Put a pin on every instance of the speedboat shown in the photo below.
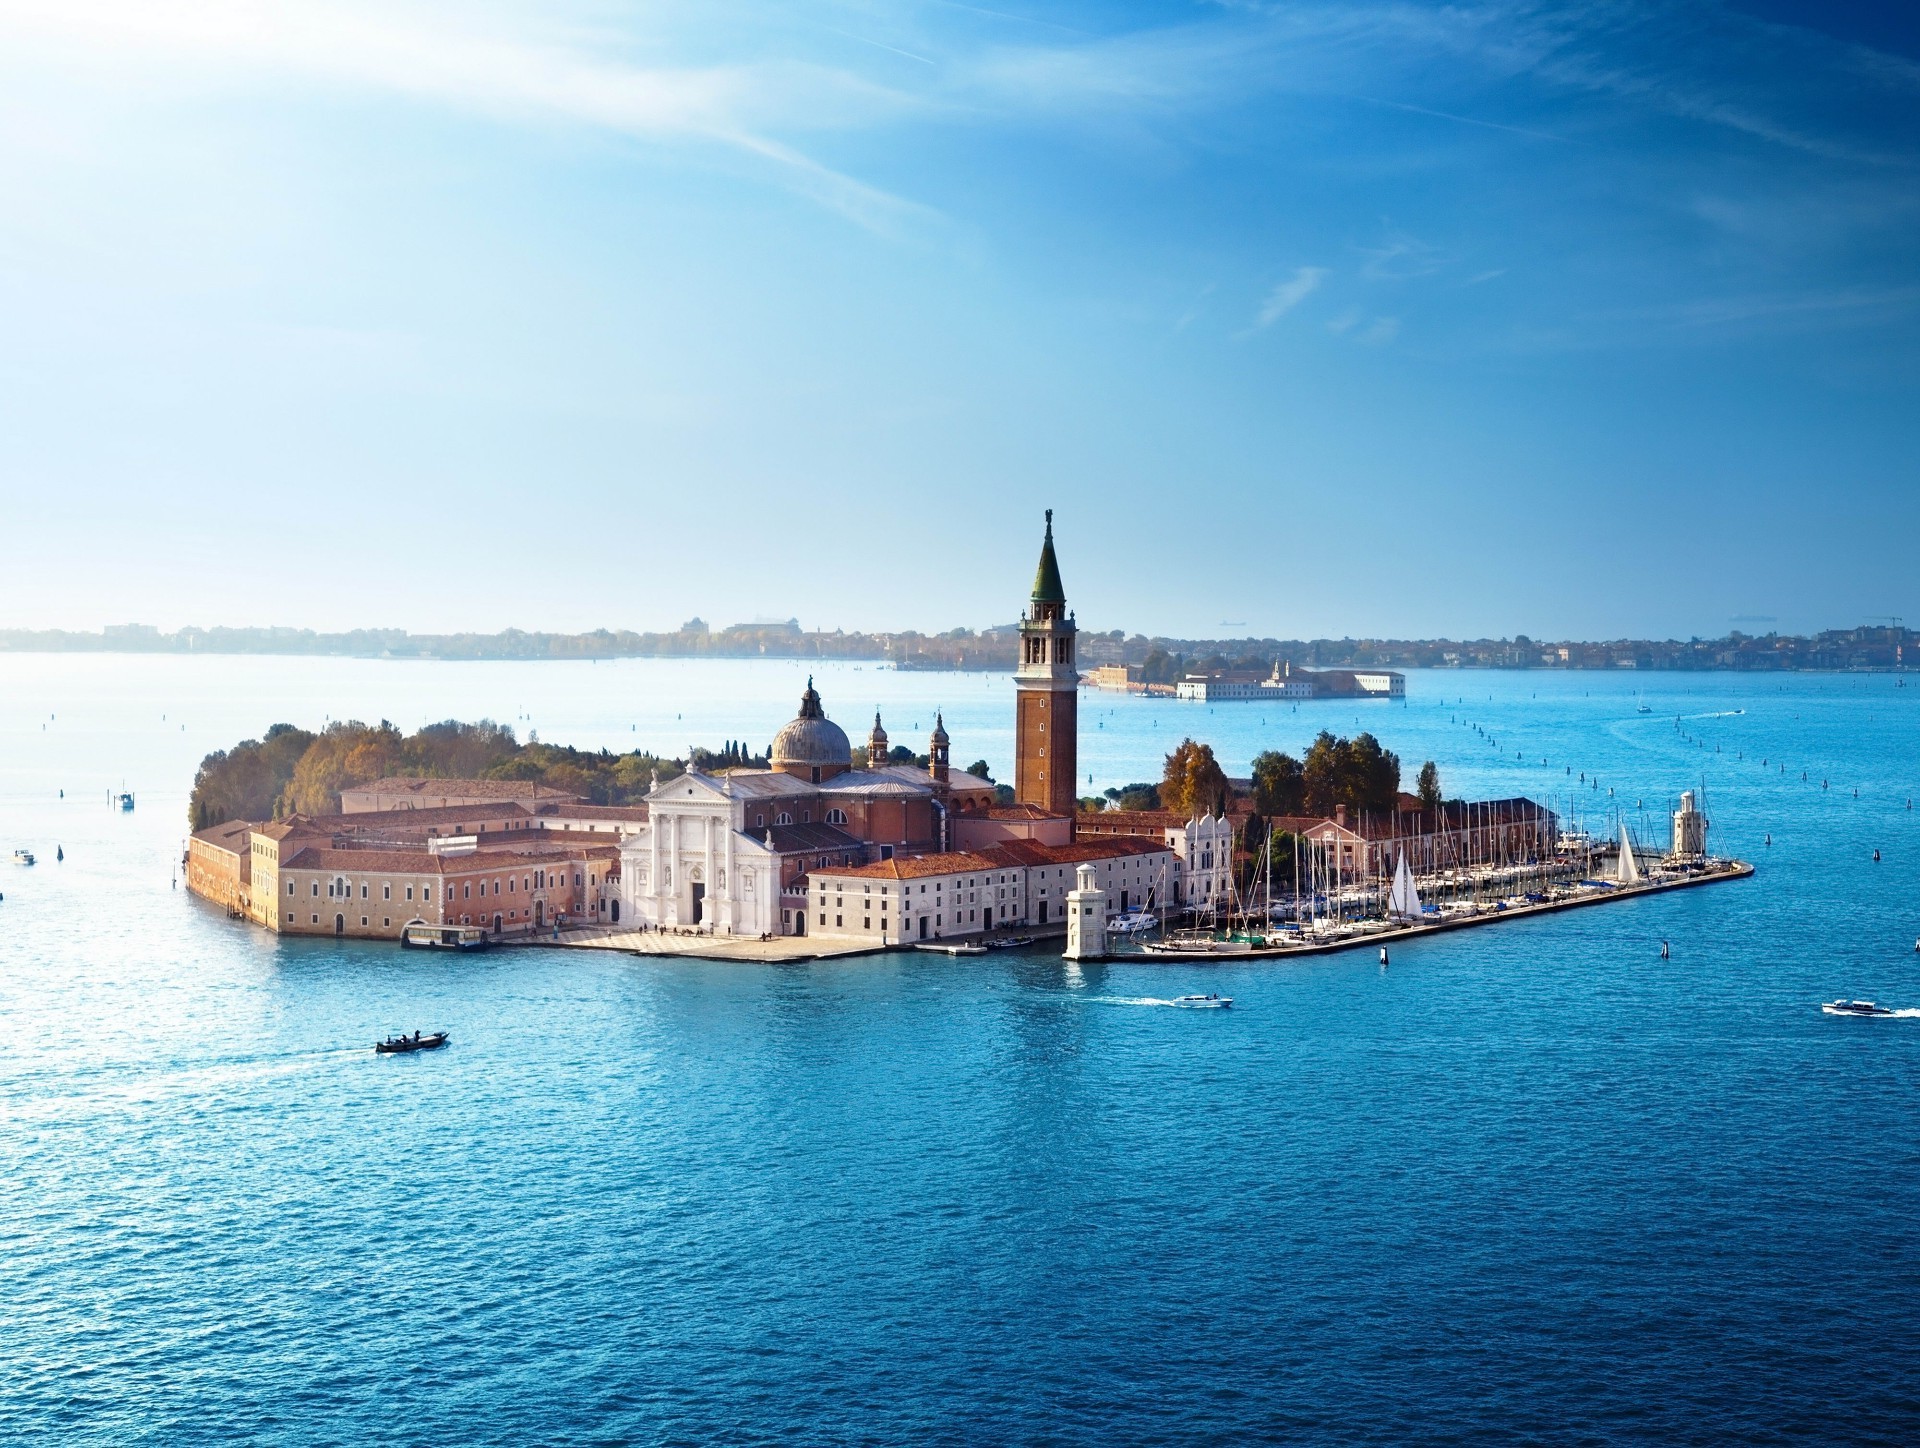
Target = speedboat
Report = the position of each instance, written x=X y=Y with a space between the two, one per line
x=1010 y=942
x=399 y=1045
x=1132 y=923
x=1855 y=1008
x=953 y=949
x=1204 y=1002
x=23 y=857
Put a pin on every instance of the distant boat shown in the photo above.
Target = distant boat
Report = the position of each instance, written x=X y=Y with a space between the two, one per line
x=1204 y=1002
x=1010 y=942
x=934 y=949
x=1855 y=1008
x=400 y=1045
x=126 y=801
x=23 y=857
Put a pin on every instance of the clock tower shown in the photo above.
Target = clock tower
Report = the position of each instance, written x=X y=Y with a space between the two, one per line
x=1046 y=718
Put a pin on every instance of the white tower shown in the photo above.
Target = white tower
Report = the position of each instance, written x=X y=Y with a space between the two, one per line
x=1086 y=917
x=1689 y=829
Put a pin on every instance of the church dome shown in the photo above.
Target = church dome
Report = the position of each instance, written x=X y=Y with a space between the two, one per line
x=812 y=740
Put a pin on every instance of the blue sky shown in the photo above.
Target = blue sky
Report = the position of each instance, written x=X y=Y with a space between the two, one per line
x=1584 y=320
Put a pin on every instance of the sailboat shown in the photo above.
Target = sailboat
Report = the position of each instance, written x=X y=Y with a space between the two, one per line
x=1403 y=901
x=1629 y=871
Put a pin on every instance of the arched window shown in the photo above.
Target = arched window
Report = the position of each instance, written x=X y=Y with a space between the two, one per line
x=836 y=816
x=783 y=818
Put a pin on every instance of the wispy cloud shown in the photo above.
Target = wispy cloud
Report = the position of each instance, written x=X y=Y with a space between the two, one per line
x=1289 y=294
x=482 y=63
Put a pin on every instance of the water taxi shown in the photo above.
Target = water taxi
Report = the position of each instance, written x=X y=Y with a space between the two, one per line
x=1204 y=1002
x=1855 y=1008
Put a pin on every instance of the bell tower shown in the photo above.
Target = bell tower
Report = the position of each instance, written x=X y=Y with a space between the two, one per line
x=1047 y=698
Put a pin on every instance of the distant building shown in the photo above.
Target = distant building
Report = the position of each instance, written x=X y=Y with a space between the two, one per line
x=1285 y=682
x=1121 y=678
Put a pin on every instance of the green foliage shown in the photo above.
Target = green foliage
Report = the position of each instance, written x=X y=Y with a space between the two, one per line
x=1162 y=667
x=247 y=781
x=294 y=772
x=1003 y=795
x=980 y=769
x=1429 y=786
x=1194 y=783
x=1355 y=772
x=1279 y=784
x=1135 y=796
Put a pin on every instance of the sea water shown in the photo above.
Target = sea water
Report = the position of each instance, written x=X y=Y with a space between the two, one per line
x=1530 y=1183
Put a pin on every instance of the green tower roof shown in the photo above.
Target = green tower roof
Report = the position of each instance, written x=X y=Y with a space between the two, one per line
x=1047 y=587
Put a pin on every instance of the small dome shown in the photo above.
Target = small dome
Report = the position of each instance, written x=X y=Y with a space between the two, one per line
x=811 y=740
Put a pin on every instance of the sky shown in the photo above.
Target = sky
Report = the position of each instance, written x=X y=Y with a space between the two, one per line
x=1351 y=319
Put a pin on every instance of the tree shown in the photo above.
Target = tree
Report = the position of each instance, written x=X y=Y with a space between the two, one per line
x=1135 y=796
x=1279 y=785
x=1194 y=783
x=1429 y=787
x=980 y=769
x=1356 y=773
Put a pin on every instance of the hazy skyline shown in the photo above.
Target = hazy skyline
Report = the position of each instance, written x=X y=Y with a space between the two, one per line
x=1588 y=321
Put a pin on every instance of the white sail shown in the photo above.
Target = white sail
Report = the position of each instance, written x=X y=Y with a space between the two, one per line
x=1403 y=901
x=1629 y=872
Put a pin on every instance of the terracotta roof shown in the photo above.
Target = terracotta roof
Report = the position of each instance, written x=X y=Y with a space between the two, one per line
x=478 y=790
x=1020 y=812
x=231 y=836
x=918 y=867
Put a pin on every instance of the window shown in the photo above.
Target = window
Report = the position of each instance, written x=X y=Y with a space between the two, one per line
x=836 y=816
x=759 y=821
x=786 y=819
x=466 y=891
x=449 y=891
x=289 y=887
x=316 y=920
x=289 y=917
x=409 y=892
x=386 y=892
x=806 y=816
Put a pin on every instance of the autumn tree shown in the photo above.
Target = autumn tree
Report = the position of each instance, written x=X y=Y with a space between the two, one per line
x=1194 y=783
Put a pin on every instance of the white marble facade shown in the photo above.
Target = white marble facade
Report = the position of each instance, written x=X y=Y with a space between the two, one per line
x=692 y=864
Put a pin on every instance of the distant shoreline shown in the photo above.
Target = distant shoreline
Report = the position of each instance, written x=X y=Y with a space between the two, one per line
x=1868 y=649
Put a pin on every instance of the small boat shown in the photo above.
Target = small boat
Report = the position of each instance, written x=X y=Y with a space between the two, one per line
x=401 y=1045
x=23 y=857
x=936 y=949
x=1855 y=1008
x=1133 y=923
x=1204 y=1002
x=1011 y=942
x=126 y=801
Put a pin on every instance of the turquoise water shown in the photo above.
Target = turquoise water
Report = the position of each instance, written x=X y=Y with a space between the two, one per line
x=1532 y=1183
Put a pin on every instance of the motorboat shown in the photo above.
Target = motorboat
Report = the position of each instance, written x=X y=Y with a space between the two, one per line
x=1011 y=942
x=941 y=949
x=23 y=857
x=1855 y=1008
x=126 y=801
x=1133 y=923
x=1204 y=1002
x=401 y=1045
